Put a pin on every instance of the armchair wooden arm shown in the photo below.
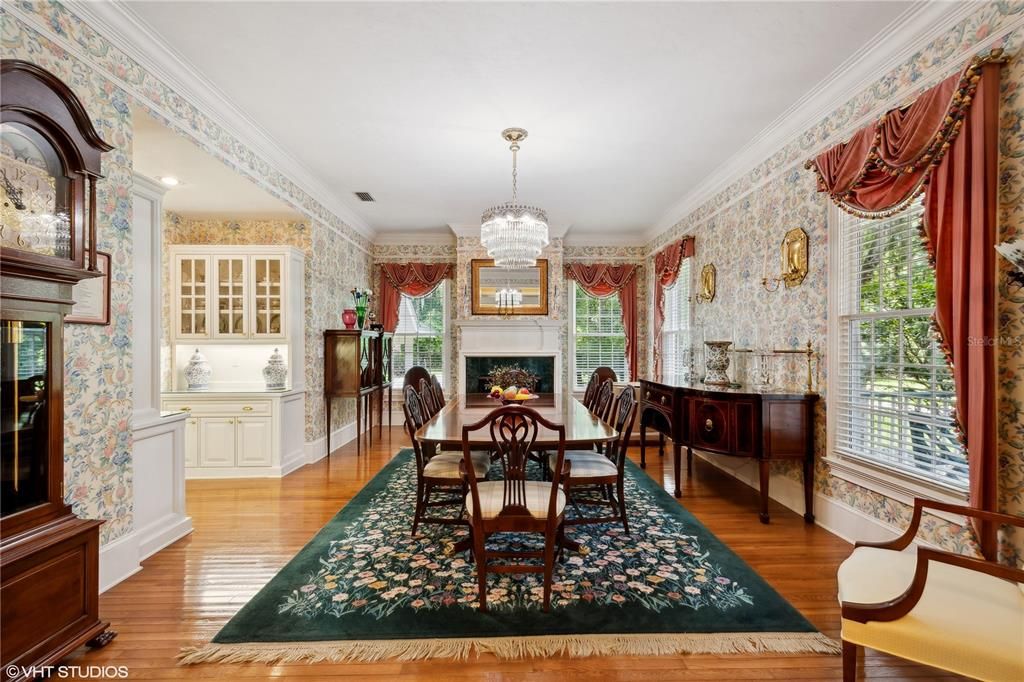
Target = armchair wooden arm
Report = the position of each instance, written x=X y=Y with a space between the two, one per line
x=920 y=504
x=900 y=606
x=896 y=608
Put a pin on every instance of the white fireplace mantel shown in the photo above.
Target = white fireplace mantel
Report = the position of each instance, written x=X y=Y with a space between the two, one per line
x=521 y=336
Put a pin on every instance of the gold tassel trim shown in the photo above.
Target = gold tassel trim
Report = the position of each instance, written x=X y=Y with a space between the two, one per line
x=513 y=648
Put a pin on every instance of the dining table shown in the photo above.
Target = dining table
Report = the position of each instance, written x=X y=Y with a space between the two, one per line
x=583 y=430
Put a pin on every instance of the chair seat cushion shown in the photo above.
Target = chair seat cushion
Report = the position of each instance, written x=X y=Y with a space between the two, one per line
x=446 y=465
x=965 y=622
x=538 y=496
x=587 y=464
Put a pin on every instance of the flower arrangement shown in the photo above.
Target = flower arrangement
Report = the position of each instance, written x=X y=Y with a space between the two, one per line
x=513 y=375
x=361 y=298
x=1014 y=252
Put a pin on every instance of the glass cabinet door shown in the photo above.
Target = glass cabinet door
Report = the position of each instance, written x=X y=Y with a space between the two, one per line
x=267 y=284
x=192 y=296
x=231 y=289
x=24 y=415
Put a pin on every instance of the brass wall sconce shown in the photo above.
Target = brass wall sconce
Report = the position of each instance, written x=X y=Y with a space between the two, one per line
x=794 y=255
x=708 y=277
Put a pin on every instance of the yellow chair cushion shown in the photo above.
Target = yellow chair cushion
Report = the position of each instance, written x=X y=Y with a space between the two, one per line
x=538 y=497
x=965 y=622
x=446 y=465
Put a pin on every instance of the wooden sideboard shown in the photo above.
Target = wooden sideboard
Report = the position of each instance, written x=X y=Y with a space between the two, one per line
x=357 y=364
x=739 y=422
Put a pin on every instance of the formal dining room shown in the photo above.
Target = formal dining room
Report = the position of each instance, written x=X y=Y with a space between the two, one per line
x=512 y=340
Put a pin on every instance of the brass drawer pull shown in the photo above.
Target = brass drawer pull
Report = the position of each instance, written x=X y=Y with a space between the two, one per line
x=246 y=409
x=664 y=399
x=186 y=409
x=709 y=425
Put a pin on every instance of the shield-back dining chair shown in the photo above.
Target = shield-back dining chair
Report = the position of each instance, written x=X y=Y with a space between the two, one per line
x=515 y=504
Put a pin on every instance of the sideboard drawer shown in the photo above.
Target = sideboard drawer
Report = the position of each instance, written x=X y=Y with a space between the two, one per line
x=712 y=425
x=225 y=408
x=658 y=397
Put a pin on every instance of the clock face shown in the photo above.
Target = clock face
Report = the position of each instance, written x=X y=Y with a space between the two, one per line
x=34 y=194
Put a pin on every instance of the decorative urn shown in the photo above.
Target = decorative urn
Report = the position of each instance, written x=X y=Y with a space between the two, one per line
x=276 y=372
x=716 y=363
x=198 y=372
x=348 y=316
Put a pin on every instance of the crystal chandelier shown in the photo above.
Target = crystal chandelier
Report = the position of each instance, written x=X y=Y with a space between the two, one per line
x=512 y=233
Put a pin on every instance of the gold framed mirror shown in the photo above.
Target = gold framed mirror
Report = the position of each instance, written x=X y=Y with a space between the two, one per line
x=508 y=291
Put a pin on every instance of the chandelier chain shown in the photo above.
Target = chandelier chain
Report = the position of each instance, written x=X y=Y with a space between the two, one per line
x=515 y=172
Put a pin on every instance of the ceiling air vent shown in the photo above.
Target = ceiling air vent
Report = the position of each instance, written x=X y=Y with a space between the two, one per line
x=365 y=196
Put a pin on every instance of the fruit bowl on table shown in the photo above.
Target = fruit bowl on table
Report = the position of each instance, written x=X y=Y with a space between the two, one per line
x=519 y=399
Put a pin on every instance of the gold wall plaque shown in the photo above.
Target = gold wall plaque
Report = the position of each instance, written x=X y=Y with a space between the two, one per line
x=708 y=278
x=794 y=257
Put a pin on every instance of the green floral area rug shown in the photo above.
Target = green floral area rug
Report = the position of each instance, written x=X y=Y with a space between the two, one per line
x=365 y=589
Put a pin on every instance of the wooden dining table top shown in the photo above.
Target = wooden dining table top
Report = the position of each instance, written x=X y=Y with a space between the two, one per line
x=581 y=427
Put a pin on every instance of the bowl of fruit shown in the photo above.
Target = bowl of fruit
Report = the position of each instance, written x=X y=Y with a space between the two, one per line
x=512 y=395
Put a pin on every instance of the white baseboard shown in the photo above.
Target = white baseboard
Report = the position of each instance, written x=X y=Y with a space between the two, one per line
x=158 y=535
x=834 y=516
x=119 y=560
x=293 y=461
x=316 y=450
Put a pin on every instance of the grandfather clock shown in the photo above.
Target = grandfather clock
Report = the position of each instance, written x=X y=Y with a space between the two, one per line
x=49 y=558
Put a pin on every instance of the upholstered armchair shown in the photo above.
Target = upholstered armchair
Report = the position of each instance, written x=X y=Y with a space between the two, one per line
x=945 y=610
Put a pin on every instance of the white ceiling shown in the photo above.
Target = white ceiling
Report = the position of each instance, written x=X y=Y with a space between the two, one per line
x=629 y=105
x=207 y=188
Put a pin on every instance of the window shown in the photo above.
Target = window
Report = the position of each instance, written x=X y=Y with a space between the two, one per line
x=600 y=340
x=420 y=335
x=893 y=391
x=675 y=334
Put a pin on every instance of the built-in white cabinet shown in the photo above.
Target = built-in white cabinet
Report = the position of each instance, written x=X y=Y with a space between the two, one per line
x=234 y=293
x=240 y=434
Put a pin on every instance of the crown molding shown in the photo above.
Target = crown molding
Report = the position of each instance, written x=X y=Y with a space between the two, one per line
x=907 y=34
x=415 y=238
x=148 y=185
x=120 y=25
x=601 y=239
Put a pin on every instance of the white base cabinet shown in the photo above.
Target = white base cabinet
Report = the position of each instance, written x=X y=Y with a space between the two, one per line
x=241 y=435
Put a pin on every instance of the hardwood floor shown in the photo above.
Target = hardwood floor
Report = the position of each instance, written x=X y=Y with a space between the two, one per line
x=246 y=530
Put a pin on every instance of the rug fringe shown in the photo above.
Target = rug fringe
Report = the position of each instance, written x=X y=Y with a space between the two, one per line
x=511 y=648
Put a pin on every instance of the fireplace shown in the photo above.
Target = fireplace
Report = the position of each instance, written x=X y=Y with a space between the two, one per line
x=479 y=368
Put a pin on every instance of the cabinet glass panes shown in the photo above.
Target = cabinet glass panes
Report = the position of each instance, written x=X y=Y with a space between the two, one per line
x=267 y=274
x=192 y=278
x=24 y=395
x=230 y=296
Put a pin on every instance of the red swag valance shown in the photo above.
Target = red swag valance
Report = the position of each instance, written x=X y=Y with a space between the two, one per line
x=602 y=280
x=666 y=269
x=945 y=144
x=411 y=279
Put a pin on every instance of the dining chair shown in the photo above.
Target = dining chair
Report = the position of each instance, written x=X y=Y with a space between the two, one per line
x=435 y=385
x=514 y=504
x=413 y=375
x=590 y=392
x=437 y=472
x=603 y=401
x=426 y=393
x=606 y=471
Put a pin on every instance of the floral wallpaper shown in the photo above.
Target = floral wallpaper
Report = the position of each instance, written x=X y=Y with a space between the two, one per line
x=737 y=226
x=98 y=360
x=98 y=400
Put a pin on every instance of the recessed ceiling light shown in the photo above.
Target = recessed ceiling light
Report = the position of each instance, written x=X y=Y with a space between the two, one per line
x=169 y=180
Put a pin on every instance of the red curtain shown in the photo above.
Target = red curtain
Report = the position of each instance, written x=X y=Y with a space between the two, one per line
x=666 y=270
x=946 y=145
x=411 y=279
x=603 y=280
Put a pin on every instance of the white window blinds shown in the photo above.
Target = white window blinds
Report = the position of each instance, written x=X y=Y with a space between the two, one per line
x=675 y=334
x=600 y=339
x=419 y=337
x=895 y=392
